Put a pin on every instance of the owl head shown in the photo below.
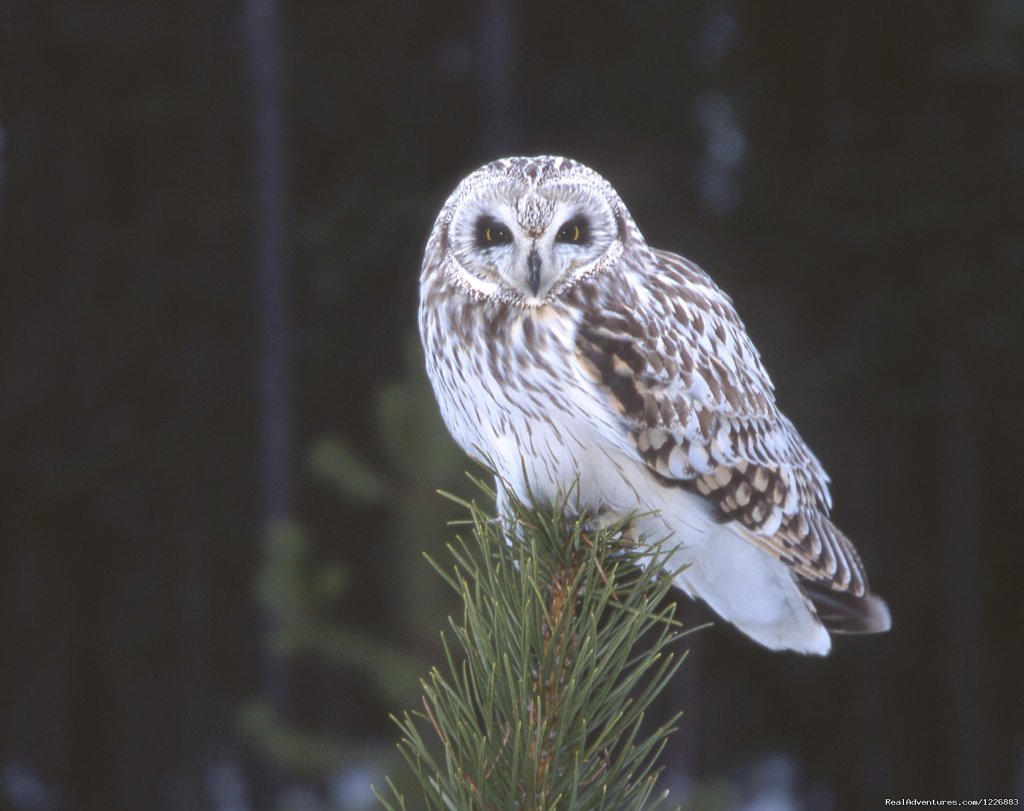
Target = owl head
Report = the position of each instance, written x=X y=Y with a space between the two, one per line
x=523 y=230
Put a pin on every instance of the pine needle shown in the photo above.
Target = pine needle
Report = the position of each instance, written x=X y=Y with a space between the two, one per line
x=563 y=643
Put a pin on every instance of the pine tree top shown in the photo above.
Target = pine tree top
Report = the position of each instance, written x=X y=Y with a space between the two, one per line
x=562 y=645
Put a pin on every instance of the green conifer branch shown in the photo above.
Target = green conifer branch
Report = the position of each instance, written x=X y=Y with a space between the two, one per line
x=563 y=643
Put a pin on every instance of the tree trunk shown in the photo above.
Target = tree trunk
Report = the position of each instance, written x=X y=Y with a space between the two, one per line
x=269 y=167
x=499 y=97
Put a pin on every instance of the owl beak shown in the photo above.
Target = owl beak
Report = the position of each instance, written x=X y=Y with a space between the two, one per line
x=533 y=265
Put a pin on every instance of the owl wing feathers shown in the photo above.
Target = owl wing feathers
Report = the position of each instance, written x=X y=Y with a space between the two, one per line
x=701 y=413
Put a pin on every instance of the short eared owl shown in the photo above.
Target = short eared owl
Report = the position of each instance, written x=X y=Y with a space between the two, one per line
x=562 y=347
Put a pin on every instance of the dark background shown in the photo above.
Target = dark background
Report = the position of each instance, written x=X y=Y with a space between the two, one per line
x=219 y=452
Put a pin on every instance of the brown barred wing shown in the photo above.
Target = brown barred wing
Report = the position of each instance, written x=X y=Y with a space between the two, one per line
x=678 y=367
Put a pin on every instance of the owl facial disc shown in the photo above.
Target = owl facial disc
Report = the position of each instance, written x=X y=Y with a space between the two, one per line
x=524 y=233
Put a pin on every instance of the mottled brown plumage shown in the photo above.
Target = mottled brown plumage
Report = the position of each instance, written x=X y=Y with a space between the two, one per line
x=730 y=444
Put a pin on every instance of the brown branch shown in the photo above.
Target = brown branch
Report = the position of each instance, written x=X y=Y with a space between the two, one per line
x=559 y=642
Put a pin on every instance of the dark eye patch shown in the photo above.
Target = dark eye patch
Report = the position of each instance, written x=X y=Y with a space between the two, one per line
x=574 y=231
x=490 y=232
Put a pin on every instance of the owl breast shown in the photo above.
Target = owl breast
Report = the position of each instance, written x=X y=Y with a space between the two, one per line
x=511 y=397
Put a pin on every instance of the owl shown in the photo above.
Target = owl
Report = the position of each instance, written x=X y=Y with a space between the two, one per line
x=565 y=352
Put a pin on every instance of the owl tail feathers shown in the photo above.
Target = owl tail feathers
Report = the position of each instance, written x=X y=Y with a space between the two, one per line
x=845 y=613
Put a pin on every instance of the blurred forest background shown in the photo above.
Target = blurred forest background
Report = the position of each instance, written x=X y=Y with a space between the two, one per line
x=220 y=453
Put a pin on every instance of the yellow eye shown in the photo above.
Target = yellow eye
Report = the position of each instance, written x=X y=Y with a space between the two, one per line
x=575 y=232
x=490 y=232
